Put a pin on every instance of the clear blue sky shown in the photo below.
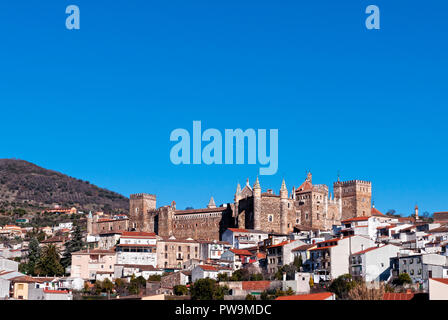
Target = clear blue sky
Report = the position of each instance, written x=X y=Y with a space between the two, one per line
x=99 y=103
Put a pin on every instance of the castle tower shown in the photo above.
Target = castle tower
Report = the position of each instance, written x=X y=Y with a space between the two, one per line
x=416 y=212
x=283 y=208
x=355 y=197
x=165 y=221
x=141 y=208
x=257 y=205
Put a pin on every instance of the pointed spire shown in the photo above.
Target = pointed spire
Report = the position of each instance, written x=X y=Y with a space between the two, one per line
x=257 y=184
x=283 y=188
x=211 y=203
x=238 y=189
x=247 y=182
x=90 y=214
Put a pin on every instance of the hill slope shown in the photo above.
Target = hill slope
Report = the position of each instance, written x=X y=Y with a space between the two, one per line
x=25 y=185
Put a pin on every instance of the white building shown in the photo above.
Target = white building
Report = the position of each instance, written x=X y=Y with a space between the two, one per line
x=330 y=258
x=204 y=271
x=438 y=289
x=137 y=248
x=373 y=264
x=243 y=238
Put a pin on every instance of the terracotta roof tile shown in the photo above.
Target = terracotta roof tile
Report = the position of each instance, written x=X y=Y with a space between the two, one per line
x=312 y=296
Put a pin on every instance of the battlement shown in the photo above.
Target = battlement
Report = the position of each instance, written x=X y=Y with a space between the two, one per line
x=143 y=196
x=352 y=183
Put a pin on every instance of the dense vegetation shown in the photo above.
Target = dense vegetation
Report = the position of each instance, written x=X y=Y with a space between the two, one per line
x=25 y=186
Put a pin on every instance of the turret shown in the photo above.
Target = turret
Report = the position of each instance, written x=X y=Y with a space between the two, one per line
x=211 y=203
x=283 y=208
x=257 y=205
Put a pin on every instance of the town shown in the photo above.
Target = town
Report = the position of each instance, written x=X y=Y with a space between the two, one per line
x=303 y=244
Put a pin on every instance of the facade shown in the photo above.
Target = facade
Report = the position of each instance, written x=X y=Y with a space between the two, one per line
x=281 y=254
x=137 y=248
x=244 y=238
x=330 y=258
x=373 y=264
x=93 y=264
x=438 y=289
x=421 y=267
x=206 y=224
x=205 y=271
x=172 y=253
x=97 y=225
x=237 y=257
x=308 y=206
x=304 y=253
x=213 y=250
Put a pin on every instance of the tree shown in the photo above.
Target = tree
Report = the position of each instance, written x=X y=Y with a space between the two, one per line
x=136 y=284
x=155 y=277
x=75 y=244
x=342 y=285
x=240 y=275
x=250 y=297
x=107 y=286
x=207 y=289
x=256 y=277
x=120 y=286
x=33 y=256
x=402 y=279
x=298 y=262
x=361 y=292
x=390 y=212
x=180 y=290
x=223 y=277
x=49 y=262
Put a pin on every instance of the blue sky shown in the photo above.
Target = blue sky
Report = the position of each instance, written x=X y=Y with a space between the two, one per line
x=99 y=103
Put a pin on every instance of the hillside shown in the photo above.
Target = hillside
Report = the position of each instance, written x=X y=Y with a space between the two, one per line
x=25 y=185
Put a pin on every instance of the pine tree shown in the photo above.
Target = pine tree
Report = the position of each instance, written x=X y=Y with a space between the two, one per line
x=75 y=244
x=33 y=256
x=49 y=262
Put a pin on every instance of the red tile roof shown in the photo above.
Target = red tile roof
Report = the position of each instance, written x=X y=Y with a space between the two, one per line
x=238 y=230
x=306 y=186
x=312 y=296
x=356 y=219
x=398 y=296
x=304 y=247
x=366 y=250
x=322 y=248
x=135 y=234
x=256 y=285
x=281 y=244
x=135 y=245
x=444 y=281
x=241 y=252
x=25 y=279
x=55 y=291
x=377 y=213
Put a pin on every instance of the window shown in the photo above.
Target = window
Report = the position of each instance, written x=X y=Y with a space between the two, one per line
x=412 y=272
x=411 y=261
x=270 y=218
